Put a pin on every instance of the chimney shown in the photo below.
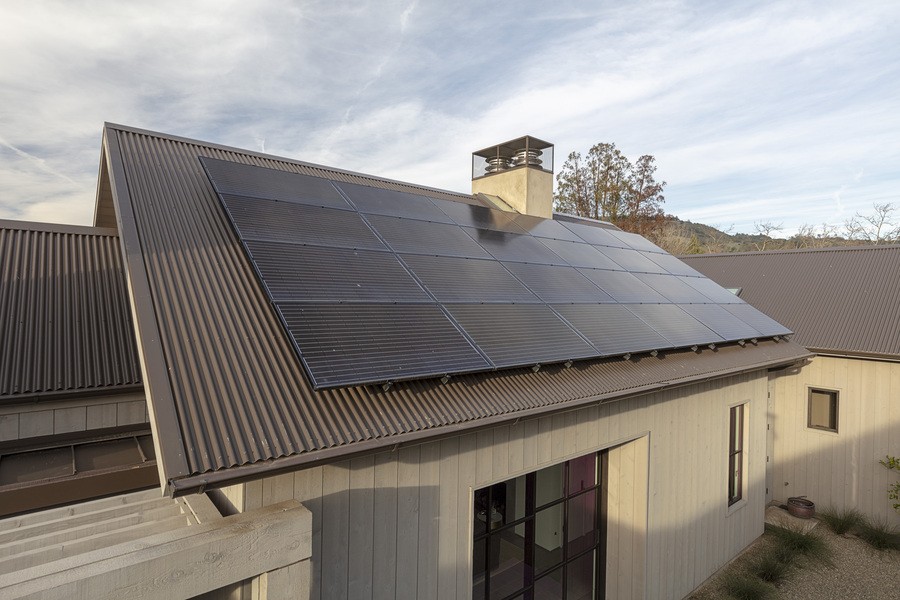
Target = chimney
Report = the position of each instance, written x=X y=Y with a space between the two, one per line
x=518 y=172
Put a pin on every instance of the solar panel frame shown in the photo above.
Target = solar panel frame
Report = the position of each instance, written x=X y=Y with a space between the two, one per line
x=672 y=288
x=557 y=284
x=514 y=247
x=765 y=325
x=297 y=273
x=712 y=290
x=611 y=328
x=530 y=334
x=410 y=236
x=378 y=201
x=480 y=217
x=598 y=236
x=356 y=344
x=237 y=179
x=623 y=286
x=545 y=228
x=630 y=260
x=675 y=325
x=285 y=222
x=458 y=279
x=721 y=321
x=581 y=254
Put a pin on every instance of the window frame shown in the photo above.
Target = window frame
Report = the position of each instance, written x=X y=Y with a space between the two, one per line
x=834 y=408
x=737 y=453
x=528 y=520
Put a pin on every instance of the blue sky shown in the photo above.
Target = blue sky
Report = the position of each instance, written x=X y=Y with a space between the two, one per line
x=782 y=111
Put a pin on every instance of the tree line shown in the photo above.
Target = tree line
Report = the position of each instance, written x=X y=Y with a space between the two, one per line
x=604 y=184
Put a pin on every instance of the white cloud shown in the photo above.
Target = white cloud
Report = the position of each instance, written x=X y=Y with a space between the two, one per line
x=751 y=111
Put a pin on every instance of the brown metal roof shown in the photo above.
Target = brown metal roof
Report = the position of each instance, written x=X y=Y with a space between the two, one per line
x=836 y=300
x=65 y=322
x=227 y=391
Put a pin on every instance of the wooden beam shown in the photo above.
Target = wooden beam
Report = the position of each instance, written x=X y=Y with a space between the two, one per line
x=176 y=564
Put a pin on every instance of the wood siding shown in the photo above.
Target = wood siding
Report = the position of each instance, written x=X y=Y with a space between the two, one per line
x=34 y=419
x=839 y=469
x=399 y=524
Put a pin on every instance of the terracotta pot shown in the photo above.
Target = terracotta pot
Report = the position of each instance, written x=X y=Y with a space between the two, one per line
x=801 y=508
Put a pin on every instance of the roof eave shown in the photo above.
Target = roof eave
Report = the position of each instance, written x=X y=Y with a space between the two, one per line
x=244 y=473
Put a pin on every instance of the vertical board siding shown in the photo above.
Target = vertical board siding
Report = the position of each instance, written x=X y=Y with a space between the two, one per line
x=398 y=524
x=840 y=469
x=32 y=419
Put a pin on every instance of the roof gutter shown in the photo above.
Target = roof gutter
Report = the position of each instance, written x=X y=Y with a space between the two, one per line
x=199 y=483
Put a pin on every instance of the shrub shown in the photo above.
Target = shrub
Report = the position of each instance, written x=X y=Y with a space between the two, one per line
x=796 y=542
x=743 y=587
x=841 y=521
x=893 y=463
x=772 y=567
x=879 y=535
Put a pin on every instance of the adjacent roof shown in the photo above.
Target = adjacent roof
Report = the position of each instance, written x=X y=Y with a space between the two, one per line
x=228 y=394
x=65 y=322
x=837 y=300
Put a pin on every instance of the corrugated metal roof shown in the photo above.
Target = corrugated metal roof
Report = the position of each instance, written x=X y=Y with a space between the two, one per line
x=836 y=300
x=226 y=387
x=65 y=322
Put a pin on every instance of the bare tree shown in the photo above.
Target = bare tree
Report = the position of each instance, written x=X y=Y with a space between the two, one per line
x=879 y=227
x=766 y=229
x=718 y=241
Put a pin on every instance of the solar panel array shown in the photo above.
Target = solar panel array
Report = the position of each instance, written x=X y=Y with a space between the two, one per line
x=375 y=285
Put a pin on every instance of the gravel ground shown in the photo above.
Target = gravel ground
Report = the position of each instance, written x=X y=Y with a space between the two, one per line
x=859 y=572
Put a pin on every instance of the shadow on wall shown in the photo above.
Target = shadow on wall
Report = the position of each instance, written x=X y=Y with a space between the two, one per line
x=836 y=470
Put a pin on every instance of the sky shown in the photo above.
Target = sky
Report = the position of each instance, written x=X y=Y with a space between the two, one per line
x=781 y=112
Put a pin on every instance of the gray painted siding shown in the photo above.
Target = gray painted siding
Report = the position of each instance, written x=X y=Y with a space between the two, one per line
x=839 y=469
x=28 y=420
x=398 y=524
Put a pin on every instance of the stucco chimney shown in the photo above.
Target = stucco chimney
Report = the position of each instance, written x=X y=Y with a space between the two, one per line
x=519 y=172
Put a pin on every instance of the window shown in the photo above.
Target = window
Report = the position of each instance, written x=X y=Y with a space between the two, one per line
x=823 y=410
x=736 y=454
x=540 y=536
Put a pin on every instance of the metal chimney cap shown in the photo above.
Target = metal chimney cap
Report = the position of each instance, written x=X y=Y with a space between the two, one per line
x=510 y=148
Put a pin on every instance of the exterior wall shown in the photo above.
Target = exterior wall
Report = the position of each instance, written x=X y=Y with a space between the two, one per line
x=839 y=469
x=33 y=419
x=398 y=524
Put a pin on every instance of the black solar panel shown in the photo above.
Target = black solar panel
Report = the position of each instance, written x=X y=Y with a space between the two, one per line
x=293 y=272
x=376 y=285
x=637 y=242
x=712 y=290
x=721 y=321
x=612 y=328
x=631 y=260
x=514 y=246
x=545 y=228
x=672 y=288
x=347 y=344
x=672 y=264
x=558 y=284
x=674 y=324
x=520 y=334
x=420 y=237
x=760 y=322
x=258 y=219
x=453 y=279
x=622 y=286
x=376 y=201
x=595 y=235
x=257 y=182
x=469 y=215
x=580 y=254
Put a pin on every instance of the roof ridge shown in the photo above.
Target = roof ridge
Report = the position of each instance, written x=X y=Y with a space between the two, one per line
x=282 y=159
x=791 y=251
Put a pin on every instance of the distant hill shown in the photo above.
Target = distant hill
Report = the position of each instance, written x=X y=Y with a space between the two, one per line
x=685 y=237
